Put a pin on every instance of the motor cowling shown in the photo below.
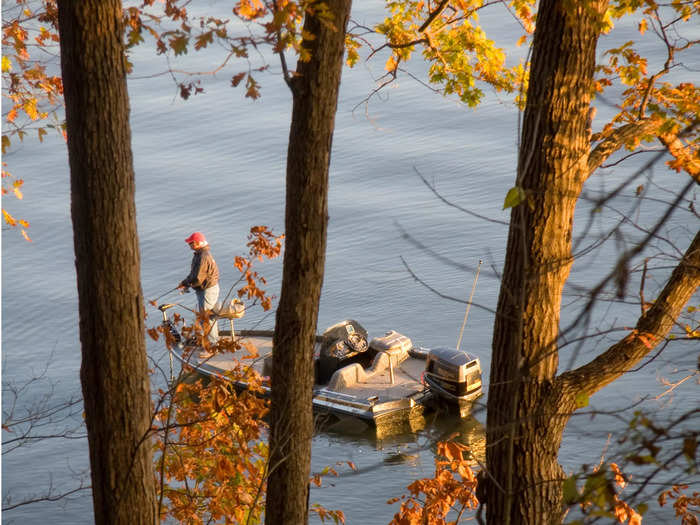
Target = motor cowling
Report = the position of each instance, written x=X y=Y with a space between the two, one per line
x=453 y=374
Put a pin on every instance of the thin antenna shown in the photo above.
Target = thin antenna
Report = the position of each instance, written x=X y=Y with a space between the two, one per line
x=469 y=304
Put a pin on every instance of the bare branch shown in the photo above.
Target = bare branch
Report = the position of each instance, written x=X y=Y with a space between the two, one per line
x=50 y=497
x=650 y=330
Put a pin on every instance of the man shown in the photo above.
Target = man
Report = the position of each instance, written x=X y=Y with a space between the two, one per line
x=204 y=279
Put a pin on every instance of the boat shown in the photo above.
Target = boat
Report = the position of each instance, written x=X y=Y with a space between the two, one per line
x=385 y=380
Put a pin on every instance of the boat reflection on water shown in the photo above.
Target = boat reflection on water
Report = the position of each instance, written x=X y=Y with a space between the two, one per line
x=405 y=440
x=385 y=430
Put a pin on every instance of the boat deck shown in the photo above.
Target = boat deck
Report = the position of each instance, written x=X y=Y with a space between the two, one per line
x=407 y=375
x=368 y=393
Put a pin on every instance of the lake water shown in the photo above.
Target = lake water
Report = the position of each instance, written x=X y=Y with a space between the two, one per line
x=216 y=163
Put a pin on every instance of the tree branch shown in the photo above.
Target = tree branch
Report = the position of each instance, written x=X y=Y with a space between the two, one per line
x=433 y=15
x=615 y=140
x=650 y=330
x=618 y=137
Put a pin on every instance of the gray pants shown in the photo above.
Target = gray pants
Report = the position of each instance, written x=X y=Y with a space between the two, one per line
x=206 y=300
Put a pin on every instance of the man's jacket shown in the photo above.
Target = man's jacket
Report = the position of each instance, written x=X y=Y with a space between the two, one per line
x=204 y=273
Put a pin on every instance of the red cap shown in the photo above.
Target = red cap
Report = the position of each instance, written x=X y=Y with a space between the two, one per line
x=196 y=237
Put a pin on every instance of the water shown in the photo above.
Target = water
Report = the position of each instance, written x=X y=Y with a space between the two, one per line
x=216 y=163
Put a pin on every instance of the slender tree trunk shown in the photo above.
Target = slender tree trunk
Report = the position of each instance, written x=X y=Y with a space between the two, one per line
x=526 y=413
x=315 y=91
x=114 y=369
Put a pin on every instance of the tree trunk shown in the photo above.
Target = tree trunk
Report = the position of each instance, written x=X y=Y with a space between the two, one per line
x=114 y=374
x=315 y=91
x=526 y=413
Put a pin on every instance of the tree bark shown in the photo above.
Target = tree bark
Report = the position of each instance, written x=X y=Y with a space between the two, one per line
x=315 y=89
x=524 y=426
x=528 y=406
x=113 y=373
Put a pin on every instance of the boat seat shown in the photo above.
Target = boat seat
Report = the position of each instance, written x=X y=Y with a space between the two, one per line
x=353 y=374
x=233 y=310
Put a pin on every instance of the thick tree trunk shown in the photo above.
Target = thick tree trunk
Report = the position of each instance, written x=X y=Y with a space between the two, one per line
x=315 y=90
x=526 y=415
x=114 y=369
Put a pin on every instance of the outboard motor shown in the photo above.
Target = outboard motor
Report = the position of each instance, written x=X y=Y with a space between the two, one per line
x=453 y=375
x=172 y=334
x=343 y=343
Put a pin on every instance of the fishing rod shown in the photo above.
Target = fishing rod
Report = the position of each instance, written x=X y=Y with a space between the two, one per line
x=469 y=304
x=168 y=292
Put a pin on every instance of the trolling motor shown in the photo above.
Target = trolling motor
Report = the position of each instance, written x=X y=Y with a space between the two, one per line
x=163 y=308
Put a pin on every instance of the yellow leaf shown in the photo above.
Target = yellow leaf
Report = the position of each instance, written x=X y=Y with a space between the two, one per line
x=514 y=197
x=9 y=219
x=6 y=64
x=30 y=108
x=521 y=40
x=18 y=193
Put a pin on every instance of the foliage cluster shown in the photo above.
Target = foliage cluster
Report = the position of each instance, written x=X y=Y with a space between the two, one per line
x=457 y=49
x=211 y=459
x=451 y=491
x=461 y=58
x=31 y=87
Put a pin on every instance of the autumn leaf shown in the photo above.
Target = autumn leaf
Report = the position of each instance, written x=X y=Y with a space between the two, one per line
x=252 y=90
x=581 y=400
x=179 y=44
x=237 y=79
x=9 y=219
x=619 y=478
x=204 y=40
x=642 y=27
